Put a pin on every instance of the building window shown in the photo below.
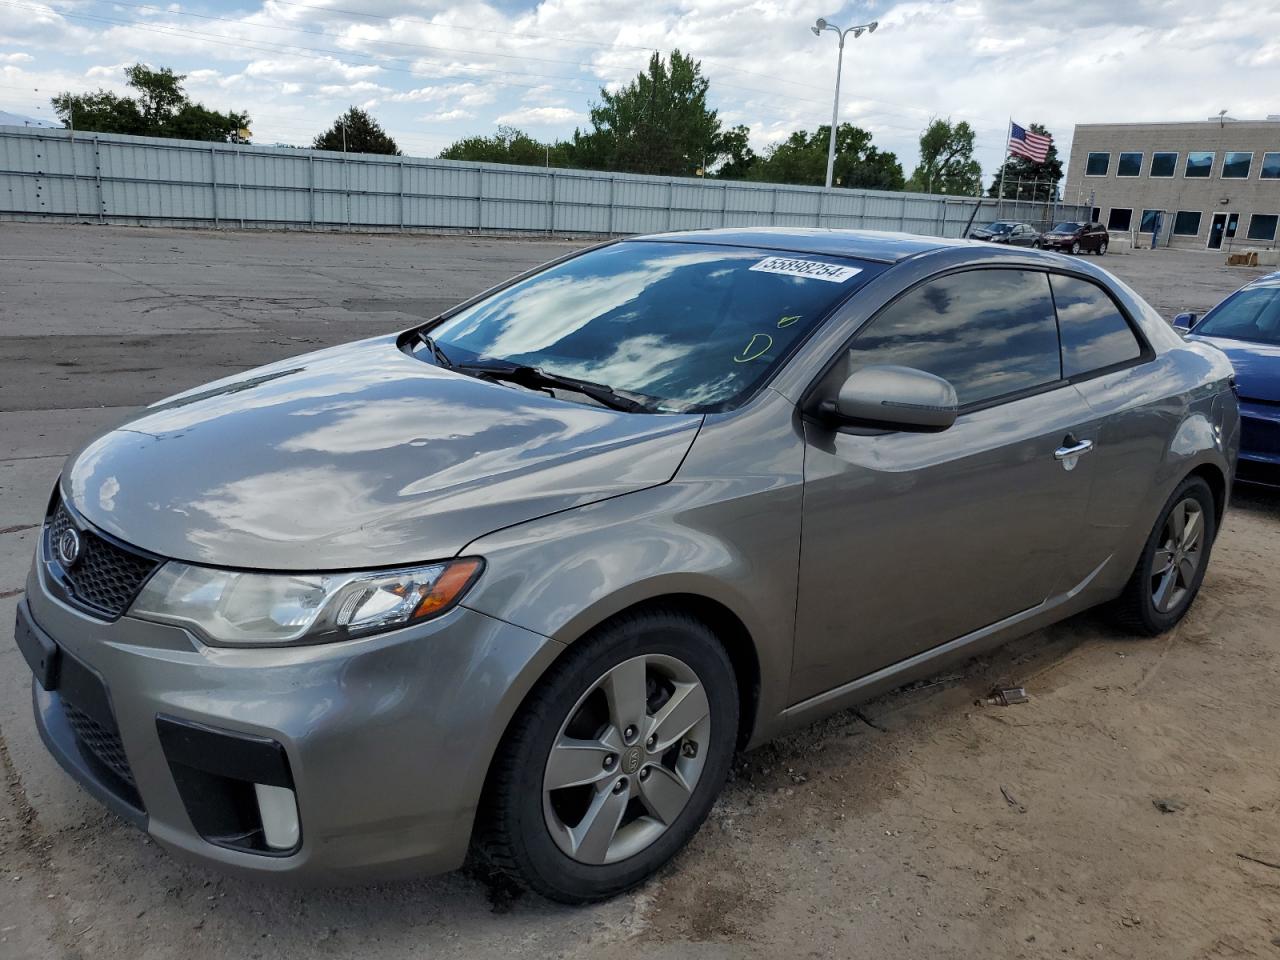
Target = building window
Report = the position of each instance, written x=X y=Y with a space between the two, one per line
x=1148 y=223
x=1097 y=164
x=1262 y=226
x=1235 y=165
x=1120 y=218
x=1186 y=223
x=1199 y=163
x=1271 y=166
x=1095 y=214
x=1129 y=165
x=1163 y=164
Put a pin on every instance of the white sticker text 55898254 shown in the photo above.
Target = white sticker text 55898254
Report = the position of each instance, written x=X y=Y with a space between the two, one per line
x=810 y=269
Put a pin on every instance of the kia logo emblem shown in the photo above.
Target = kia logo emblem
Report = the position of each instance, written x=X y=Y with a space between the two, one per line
x=69 y=547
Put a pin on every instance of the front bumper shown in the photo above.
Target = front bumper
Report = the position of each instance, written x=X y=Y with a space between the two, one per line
x=386 y=740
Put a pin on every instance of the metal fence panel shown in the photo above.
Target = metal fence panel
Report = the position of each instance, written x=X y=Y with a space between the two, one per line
x=59 y=174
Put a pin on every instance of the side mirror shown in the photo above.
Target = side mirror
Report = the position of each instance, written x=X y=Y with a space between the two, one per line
x=1185 y=321
x=895 y=398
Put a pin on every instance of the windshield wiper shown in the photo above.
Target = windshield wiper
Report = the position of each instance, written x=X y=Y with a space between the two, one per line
x=434 y=349
x=534 y=377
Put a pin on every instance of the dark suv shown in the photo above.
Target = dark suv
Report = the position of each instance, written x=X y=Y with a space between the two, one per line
x=1075 y=237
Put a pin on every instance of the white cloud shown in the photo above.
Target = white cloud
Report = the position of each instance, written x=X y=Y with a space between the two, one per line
x=461 y=94
x=16 y=57
x=445 y=116
x=541 y=116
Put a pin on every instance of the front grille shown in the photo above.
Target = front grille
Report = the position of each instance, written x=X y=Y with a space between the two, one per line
x=104 y=744
x=106 y=577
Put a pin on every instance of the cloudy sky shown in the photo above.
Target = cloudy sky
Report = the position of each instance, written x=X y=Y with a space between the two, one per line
x=435 y=70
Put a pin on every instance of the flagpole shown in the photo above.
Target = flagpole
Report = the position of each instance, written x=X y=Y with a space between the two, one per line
x=1008 y=131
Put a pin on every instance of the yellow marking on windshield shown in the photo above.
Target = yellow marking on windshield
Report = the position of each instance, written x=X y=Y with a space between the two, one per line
x=756 y=347
x=788 y=321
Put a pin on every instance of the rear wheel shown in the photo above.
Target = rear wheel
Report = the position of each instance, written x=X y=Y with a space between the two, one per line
x=1102 y=248
x=1173 y=561
x=615 y=760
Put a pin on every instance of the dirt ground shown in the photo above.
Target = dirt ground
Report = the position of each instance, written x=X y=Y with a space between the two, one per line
x=1128 y=810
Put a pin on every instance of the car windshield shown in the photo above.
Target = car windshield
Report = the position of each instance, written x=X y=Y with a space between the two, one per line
x=1251 y=314
x=998 y=227
x=683 y=327
x=1067 y=227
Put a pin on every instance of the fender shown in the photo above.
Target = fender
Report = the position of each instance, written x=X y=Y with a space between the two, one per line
x=726 y=529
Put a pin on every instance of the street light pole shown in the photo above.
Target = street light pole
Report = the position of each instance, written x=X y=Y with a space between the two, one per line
x=857 y=31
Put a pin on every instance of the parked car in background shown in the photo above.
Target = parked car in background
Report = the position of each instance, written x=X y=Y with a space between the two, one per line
x=522 y=578
x=1246 y=327
x=1076 y=237
x=1012 y=232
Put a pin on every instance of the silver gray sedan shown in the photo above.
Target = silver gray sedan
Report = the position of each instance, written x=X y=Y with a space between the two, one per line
x=521 y=580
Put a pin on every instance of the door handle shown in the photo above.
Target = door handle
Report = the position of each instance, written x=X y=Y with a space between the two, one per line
x=1072 y=448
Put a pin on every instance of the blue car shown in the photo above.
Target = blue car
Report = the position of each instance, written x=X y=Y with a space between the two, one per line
x=1246 y=327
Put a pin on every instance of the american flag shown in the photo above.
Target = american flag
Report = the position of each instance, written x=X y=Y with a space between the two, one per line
x=1026 y=143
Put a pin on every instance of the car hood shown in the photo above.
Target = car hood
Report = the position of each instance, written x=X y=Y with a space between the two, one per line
x=1257 y=366
x=357 y=456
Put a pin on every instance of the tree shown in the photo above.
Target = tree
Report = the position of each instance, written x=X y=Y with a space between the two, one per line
x=802 y=158
x=735 y=147
x=510 y=145
x=1027 y=180
x=161 y=109
x=659 y=123
x=356 y=132
x=946 y=160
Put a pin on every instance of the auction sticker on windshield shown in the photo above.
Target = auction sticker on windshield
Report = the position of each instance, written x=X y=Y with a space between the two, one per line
x=811 y=269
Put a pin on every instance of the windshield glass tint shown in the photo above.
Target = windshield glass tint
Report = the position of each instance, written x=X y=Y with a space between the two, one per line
x=999 y=227
x=1067 y=227
x=1252 y=314
x=687 y=327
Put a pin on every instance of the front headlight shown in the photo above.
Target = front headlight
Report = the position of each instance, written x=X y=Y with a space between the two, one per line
x=278 y=609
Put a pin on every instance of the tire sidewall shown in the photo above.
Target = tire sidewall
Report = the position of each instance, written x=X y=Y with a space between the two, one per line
x=1199 y=489
x=546 y=866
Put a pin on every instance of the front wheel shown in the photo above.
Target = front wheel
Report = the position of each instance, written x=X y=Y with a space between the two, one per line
x=1075 y=247
x=614 y=761
x=1173 y=561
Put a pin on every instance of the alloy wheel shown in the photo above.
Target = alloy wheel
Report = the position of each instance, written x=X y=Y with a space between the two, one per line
x=1176 y=560
x=1102 y=248
x=626 y=759
x=1075 y=248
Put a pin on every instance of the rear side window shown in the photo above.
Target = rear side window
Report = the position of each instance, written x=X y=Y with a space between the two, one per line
x=989 y=332
x=1094 y=332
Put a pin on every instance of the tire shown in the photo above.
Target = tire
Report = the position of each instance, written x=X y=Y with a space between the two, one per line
x=526 y=829
x=1075 y=248
x=1035 y=244
x=1102 y=249
x=1137 y=609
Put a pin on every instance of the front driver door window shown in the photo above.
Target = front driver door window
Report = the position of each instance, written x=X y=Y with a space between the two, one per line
x=911 y=540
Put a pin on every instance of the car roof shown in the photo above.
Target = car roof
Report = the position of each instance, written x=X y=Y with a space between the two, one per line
x=1266 y=280
x=873 y=245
